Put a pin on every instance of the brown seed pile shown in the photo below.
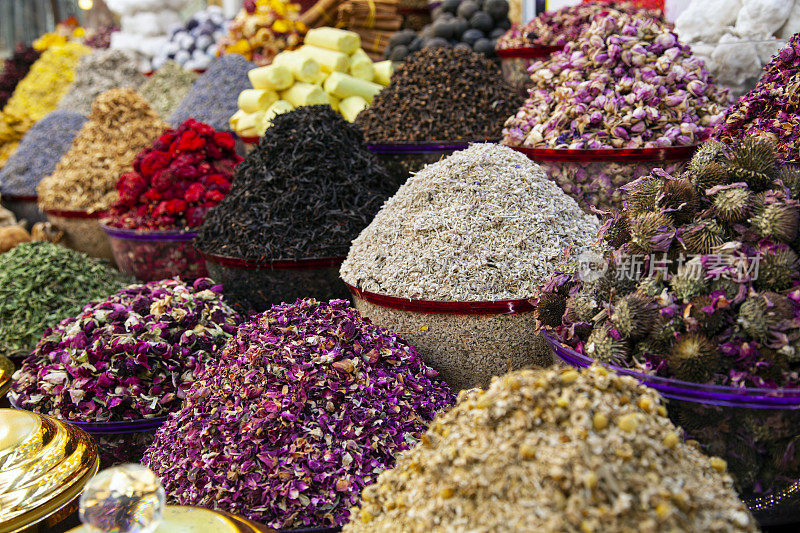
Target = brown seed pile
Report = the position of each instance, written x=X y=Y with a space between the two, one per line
x=120 y=126
x=554 y=450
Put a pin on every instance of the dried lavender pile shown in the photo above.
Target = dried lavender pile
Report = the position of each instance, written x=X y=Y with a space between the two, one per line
x=165 y=89
x=772 y=108
x=704 y=287
x=306 y=191
x=625 y=83
x=213 y=98
x=440 y=94
x=483 y=224
x=306 y=406
x=42 y=283
x=98 y=72
x=130 y=356
x=120 y=126
x=14 y=69
x=554 y=450
x=39 y=151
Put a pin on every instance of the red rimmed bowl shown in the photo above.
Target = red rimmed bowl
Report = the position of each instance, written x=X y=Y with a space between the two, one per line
x=466 y=342
x=757 y=431
x=594 y=177
x=257 y=285
x=82 y=232
x=155 y=255
x=24 y=208
x=404 y=159
x=515 y=63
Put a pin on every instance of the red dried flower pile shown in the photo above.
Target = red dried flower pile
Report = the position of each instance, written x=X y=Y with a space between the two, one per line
x=174 y=183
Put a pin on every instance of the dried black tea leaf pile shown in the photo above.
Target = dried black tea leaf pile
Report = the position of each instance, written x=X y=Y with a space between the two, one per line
x=441 y=94
x=306 y=191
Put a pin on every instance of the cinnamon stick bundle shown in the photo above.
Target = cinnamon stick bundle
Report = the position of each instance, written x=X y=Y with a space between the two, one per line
x=323 y=13
x=373 y=40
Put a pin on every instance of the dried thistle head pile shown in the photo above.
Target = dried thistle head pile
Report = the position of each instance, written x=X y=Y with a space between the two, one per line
x=554 y=450
x=483 y=224
x=121 y=125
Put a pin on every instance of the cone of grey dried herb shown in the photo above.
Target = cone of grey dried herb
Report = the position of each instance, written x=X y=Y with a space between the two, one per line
x=165 y=89
x=484 y=224
x=554 y=450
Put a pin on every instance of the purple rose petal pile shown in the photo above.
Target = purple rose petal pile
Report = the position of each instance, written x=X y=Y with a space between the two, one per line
x=304 y=408
x=128 y=357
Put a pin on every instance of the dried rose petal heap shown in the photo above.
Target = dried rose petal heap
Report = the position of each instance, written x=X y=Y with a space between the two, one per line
x=772 y=108
x=305 y=407
x=626 y=82
x=703 y=286
x=174 y=183
x=557 y=28
x=554 y=450
x=128 y=357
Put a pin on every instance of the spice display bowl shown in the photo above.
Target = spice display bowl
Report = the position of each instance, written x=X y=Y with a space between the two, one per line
x=404 y=159
x=46 y=464
x=82 y=232
x=187 y=518
x=515 y=63
x=594 y=177
x=747 y=427
x=24 y=208
x=6 y=371
x=466 y=342
x=257 y=285
x=155 y=255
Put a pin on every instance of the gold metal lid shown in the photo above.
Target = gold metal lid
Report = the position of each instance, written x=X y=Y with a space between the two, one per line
x=44 y=464
x=180 y=519
x=6 y=370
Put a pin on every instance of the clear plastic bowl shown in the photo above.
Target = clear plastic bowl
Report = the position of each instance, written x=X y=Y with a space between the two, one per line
x=155 y=255
x=257 y=285
x=754 y=430
x=515 y=63
x=404 y=159
x=594 y=177
x=24 y=208
x=466 y=342
x=82 y=232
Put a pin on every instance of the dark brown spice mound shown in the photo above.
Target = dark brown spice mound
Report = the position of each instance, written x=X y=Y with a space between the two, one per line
x=441 y=94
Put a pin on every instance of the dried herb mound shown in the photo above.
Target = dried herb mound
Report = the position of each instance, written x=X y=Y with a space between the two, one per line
x=130 y=356
x=165 y=89
x=14 y=69
x=41 y=284
x=483 y=224
x=440 y=94
x=98 y=72
x=40 y=150
x=564 y=443
x=121 y=125
x=305 y=407
x=772 y=108
x=306 y=191
x=174 y=183
x=626 y=82
x=214 y=96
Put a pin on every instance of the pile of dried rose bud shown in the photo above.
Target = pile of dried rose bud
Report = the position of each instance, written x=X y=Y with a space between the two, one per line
x=626 y=82
x=174 y=183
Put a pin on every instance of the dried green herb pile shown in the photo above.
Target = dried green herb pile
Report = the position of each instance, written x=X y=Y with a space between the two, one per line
x=165 y=89
x=42 y=283
x=441 y=94
x=554 y=450
x=306 y=191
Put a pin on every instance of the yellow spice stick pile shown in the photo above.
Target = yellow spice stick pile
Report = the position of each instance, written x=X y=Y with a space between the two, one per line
x=38 y=94
x=121 y=125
